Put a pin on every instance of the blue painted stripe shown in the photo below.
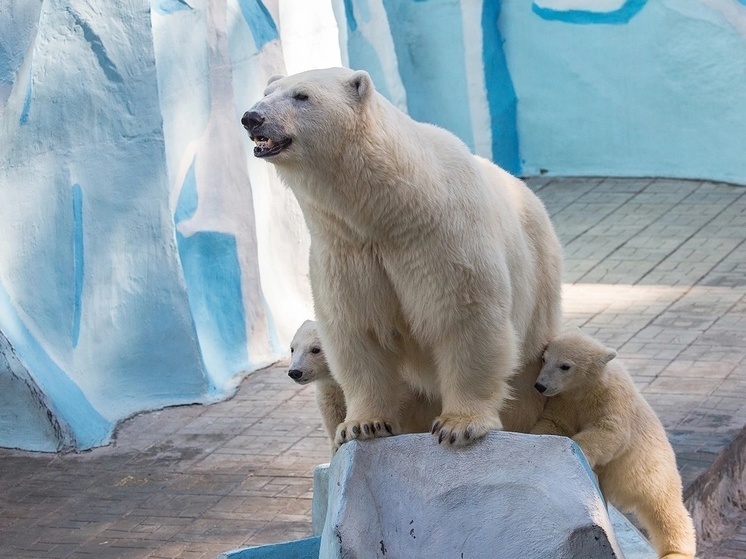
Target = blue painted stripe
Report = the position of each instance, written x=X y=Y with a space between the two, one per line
x=583 y=17
x=350 y=15
x=307 y=548
x=78 y=259
x=26 y=100
x=165 y=7
x=89 y=428
x=428 y=41
x=212 y=274
x=186 y=205
x=260 y=22
x=99 y=50
x=501 y=96
x=577 y=451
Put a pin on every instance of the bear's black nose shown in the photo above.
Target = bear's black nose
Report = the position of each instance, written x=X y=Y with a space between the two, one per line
x=540 y=387
x=295 y=374
x=251 y=120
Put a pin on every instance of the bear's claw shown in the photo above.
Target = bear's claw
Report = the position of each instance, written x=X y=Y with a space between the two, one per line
x=362 y=430
x=457 y=430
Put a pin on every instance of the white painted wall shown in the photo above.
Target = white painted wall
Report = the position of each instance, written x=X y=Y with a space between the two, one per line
x=146 y=258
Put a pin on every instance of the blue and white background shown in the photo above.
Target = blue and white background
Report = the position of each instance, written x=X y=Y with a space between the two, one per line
x=147 y=259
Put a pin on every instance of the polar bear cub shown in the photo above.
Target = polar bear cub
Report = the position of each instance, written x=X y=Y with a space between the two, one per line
x=308 y=364
x=433 y=271
x=593 y=400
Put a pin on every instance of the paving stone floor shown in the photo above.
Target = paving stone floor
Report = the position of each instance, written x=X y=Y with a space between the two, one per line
x=654 y=268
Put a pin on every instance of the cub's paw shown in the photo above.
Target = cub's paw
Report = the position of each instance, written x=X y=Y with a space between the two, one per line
x=364 y=429
x=461 y=430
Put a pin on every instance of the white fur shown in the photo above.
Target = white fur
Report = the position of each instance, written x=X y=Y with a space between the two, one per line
x=417 y=411
x=433 y=271
x=596 y=403
x=313 y=367
x=307 y=356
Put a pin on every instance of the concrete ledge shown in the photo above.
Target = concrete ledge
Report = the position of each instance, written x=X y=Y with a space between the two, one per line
x=568 y=486
x=632 y=543
x=508 y=495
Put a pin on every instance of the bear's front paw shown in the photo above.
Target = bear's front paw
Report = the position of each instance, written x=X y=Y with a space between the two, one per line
x=461 y=430
x=364 y=429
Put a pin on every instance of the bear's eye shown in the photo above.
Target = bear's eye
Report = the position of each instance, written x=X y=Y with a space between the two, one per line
x=300 y=97
x=565 y=367
x=315 y=350
x=291 y=350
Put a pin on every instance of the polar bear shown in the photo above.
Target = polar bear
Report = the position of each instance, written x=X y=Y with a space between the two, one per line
x=308 y=364
x=432 y=270
x=593 y=400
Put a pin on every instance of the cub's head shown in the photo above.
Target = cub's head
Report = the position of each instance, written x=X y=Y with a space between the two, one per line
x=307 y=116
x=307 y=361
x=570 y=361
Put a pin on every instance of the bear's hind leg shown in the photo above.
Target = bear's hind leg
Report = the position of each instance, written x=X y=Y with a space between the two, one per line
x=669 y=527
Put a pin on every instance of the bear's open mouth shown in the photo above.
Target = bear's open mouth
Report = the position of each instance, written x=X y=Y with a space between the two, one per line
x=266 y=147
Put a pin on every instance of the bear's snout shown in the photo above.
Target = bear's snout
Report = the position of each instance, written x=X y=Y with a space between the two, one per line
x=540 y=387
x=252 y=120
x=295 y=374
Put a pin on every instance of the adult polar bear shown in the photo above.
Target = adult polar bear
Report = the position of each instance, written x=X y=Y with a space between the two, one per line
x=430 y=267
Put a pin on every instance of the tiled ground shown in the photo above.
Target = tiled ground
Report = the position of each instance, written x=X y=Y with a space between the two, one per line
x=655 y=268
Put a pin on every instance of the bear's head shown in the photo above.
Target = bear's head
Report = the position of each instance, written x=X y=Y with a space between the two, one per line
x=307 y=117
x=570 y=361
x=307 y=361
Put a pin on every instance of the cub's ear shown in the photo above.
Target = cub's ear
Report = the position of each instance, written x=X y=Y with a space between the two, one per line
x=274 y=78
x=608 y=356
x=362 y=85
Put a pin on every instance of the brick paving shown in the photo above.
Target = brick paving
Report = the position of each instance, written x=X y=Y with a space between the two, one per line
x=655 y=268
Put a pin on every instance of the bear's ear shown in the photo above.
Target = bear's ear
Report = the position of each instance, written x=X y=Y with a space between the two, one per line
x=274 y=78
x=362 y=85
x=608 y=356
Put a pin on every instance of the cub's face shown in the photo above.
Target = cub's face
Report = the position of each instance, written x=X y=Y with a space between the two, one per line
x=308 y=116
x=556 y=373
x=307 y=361
x=570 y=361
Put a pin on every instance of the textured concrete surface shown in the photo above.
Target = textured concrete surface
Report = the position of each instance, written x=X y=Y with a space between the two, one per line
x=655 y=268
x=631 y=542
x=507 y=495
x=717 y=498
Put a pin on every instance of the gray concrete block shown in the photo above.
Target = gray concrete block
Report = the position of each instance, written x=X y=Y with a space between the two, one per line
x=320 y=498
x=508 y=495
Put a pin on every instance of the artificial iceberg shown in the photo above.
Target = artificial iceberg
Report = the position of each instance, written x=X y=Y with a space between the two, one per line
x=147 y=259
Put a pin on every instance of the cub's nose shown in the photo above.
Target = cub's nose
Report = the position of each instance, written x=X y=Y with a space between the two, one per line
x=540 y=387
x=251 y=120
x=295 y=374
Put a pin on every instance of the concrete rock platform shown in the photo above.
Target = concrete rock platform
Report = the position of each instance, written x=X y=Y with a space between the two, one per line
x=655 y=268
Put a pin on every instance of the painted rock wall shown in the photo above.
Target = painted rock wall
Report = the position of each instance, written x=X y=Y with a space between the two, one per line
x=146 y=259
x=442 y=62
x=407 y=496
x=567 y=87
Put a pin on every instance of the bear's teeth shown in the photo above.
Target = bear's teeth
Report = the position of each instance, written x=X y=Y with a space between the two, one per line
x=263 y=143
